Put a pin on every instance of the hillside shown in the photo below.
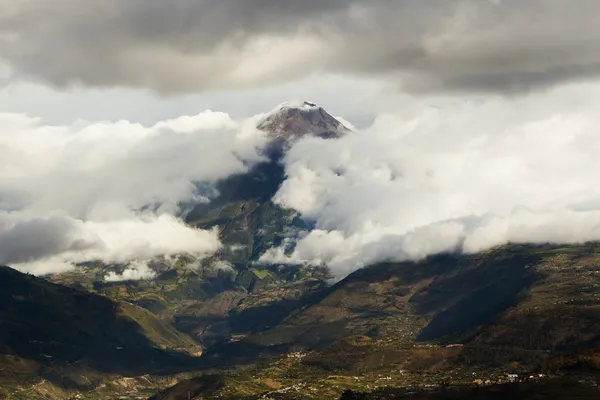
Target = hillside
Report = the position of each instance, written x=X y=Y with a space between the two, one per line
x=196 y=295
x=447 y=320
x=76 y=340
x=564 y=388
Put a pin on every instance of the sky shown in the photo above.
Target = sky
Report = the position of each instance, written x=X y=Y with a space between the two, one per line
x=476 y=124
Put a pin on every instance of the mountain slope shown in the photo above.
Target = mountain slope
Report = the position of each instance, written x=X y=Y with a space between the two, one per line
x=539 y=297
x=450 y=319
x=411 y=302
x=249 y=224
x=291 y=121
x=72 y=337
x=247 y=218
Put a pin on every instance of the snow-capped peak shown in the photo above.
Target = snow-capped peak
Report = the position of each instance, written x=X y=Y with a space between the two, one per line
x=300 y=105
x=294 y=119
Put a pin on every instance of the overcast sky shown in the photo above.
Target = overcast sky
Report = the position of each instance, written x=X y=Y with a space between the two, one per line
x=90 y=89
x=150 y=59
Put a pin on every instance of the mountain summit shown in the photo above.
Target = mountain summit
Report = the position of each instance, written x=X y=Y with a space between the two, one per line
x=290 y=121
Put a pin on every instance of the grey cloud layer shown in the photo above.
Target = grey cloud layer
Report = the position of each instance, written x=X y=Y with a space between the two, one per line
x=185 y=45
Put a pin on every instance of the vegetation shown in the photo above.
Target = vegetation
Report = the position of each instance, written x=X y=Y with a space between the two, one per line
x=55 y=339
x=461 y=322
x=449 y=321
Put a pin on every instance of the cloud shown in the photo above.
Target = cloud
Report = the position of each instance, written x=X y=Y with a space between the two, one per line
x=134 y=272
x=26 y=239
x=89 y=167
x=187 y=46
x=112 y=191
x=449 y=175
x=222 y=265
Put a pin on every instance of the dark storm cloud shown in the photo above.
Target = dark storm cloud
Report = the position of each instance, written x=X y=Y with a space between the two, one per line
x=185 y=45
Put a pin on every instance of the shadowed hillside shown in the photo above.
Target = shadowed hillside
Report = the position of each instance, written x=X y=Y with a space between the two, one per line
x=59 y=328
x=556 y=389
x=448 y=320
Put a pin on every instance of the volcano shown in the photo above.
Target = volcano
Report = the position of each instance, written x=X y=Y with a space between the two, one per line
x=291 y=121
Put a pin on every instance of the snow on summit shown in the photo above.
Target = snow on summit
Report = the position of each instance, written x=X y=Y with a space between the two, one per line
x=291 y=120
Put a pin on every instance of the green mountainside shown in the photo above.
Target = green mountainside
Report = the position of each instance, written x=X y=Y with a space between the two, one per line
x=75 y=340
x=198 y=295
x=451 y=321
x=249 y=223
x=455 y=321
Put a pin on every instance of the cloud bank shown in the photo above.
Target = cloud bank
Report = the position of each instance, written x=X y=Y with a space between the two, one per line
x=449 y=175
x=112 y=191
x=134 y=272
x=187 y=46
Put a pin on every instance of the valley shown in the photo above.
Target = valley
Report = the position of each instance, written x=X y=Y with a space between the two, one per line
x=527 y=311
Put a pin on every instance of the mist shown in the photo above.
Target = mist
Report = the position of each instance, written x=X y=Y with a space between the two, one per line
x=431 y=175
x=112 y=191
x=449 y=175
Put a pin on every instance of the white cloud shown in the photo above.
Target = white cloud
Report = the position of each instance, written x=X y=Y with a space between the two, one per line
x=136 y=271
x=86 y=167
x=111 y=191
x=222 y=265
x=450 y=174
